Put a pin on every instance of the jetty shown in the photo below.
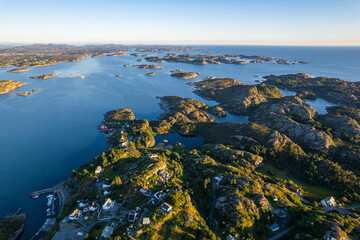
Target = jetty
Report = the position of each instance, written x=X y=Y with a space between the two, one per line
x=38 y=193
x=59 y=189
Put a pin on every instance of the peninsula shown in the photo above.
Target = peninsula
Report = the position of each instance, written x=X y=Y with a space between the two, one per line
x=10 y=85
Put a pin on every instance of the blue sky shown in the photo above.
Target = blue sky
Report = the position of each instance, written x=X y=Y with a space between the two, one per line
x=247 y=22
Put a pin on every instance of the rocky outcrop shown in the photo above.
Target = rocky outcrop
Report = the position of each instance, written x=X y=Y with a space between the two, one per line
x=44 y=76
x=234 y=96
x=119 y=115
x=145 y=66
x=10 y=85
x=227 y=155
x=344 y=122
x=25 y=94
x=187 y=110
x=332 y=89
x=185 y=75
x=243 y=136
x=343 y=127
x=292 y=117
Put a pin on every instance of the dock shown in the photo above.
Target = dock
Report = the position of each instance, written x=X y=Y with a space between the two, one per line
x=54 y=189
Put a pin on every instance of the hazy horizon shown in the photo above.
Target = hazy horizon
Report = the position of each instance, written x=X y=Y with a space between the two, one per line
x=274 y=23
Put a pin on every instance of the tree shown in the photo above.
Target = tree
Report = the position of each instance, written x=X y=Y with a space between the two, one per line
x=117 y=181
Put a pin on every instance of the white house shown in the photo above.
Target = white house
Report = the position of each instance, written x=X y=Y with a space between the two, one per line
x=98 y=170
x=146 y=221
x=108 y=205
x=328 y=202
x=152 y=155
x=219 y=177
x=106 y=185
x=75 y=215
x=82 y=204
x=93 y=206
x=274 y=227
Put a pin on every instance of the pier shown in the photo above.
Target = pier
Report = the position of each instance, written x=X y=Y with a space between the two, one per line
x=54 y=189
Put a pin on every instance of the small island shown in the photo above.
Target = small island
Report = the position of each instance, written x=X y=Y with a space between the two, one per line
x=145 y=66
x=17 y=70
x=10 y=85
x=136 y=54
x=185 y=75
x=116 y=55
x=150 y=74
x=44 y=76
x=127 y=65
x=117 y=76
x=25 y=94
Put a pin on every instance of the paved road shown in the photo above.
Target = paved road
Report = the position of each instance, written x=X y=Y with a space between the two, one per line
x=279 y=235
x=214 y=186
x=341 y=210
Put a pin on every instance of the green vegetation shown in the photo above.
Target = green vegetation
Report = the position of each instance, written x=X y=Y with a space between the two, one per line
x=11 y=225
x=95 y=231
x=316 y=192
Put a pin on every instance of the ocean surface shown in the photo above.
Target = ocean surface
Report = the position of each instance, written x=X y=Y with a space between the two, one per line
x=43 y=137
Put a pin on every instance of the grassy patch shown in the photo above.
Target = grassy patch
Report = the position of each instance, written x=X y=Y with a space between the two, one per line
x=96 y=231
x=310 y=190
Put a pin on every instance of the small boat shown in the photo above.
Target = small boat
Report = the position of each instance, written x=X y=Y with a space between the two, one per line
x=35 y=197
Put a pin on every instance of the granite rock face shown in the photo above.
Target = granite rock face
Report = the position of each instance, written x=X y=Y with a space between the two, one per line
x=187 y=110
x=294 y=118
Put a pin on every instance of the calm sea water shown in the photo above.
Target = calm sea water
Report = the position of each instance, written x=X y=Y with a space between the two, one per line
x=43 y=137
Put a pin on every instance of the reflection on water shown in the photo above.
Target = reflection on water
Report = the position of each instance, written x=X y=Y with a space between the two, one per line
x=172 y=138
x=320 y=105
x=232 y=118
x=286 y=92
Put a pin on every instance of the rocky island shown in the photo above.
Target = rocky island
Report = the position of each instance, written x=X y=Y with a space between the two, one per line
x=10 y=85
x=150 y=74
x=25 y=94
x=116 y=55
x=185 y=75
x=44 y=76
x=16 y=70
